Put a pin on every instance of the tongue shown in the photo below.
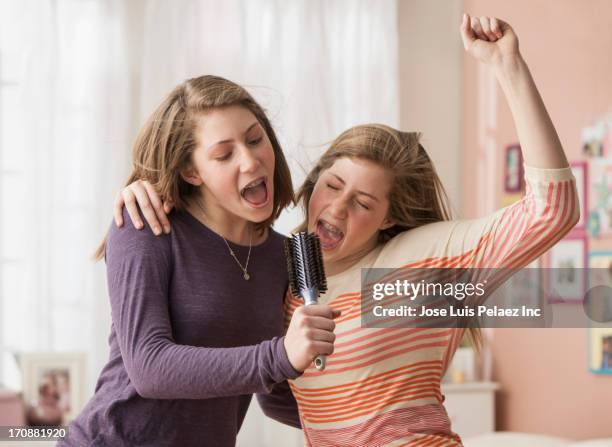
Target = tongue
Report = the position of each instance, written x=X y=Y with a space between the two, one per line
x=256 y=195
x=328 y=238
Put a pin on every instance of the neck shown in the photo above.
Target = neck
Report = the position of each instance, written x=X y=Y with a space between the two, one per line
x=229 y=226
x=341 y=265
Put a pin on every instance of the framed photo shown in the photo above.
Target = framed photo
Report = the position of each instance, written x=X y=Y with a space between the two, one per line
x=580 y=170
x=600 y=350
x=514 y=173
x=566 y=278
x=600 y=338
x=600 y=197
x=592 y=139
x=53 y=386
x=523 y=288
x=601 y=264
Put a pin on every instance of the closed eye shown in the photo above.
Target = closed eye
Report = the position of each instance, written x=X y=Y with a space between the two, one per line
x=255 y=142
x=335 y=188
x=362 y=205
x=224 y=157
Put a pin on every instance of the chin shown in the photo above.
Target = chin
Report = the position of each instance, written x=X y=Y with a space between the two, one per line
x=261 y=215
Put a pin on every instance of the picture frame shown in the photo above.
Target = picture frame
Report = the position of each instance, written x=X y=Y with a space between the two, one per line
x=580 y=171
x=600 y=350
x=53 y=384
x=524 y=288
x=600 y=197
x=566 y=262
x=514 y=175
x=600 y=337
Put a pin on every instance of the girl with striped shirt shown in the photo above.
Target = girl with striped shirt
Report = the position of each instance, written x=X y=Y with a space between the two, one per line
x=375 y=200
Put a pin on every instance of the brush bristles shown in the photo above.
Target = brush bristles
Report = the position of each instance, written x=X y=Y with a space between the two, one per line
x=291 y=268
x=305 y=263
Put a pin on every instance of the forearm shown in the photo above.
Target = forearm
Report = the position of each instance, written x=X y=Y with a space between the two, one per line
x=539 y=141
x=164 y=370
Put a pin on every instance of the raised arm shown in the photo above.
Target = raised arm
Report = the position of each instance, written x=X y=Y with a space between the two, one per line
x=511 y=237
x=494 y=42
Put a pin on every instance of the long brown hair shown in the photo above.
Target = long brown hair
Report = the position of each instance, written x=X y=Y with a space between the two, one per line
x=417 y=196
x=165 y=144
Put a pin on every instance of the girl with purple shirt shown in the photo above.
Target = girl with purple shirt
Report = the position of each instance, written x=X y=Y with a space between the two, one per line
x=197 y=315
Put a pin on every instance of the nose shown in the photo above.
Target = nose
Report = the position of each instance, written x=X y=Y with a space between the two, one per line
x=248 y=161
x=338 y=208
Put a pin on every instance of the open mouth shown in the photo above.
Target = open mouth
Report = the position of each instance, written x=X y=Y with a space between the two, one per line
x=256 y=192
x=329 y=235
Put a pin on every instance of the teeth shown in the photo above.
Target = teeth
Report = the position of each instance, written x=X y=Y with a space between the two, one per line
x=254 y=183
x=330 y=228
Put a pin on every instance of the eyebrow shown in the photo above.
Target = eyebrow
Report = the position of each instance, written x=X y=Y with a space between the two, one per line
x=358 y=192
x=230 y=140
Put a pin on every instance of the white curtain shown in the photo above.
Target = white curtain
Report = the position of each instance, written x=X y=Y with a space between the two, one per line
x=94 y=71
x=65 y=148
x=317 y=66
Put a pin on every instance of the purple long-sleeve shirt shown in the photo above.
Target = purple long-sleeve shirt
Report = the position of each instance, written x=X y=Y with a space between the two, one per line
x=191 y=340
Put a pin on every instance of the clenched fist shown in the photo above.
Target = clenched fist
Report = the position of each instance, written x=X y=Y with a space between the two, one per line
x=310 y=333
x=489 y=39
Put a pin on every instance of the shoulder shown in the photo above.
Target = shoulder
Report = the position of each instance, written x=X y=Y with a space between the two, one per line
x=276 y=238
x=429 y=240
x=130 y=241
x=424 y=235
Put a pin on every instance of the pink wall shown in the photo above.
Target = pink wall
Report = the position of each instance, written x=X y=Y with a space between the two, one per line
x=546 y=386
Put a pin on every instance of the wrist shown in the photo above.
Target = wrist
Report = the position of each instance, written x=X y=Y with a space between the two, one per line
x=508 y=67
x=291 y=371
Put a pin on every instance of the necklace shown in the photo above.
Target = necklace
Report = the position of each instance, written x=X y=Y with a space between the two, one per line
x=245 y=273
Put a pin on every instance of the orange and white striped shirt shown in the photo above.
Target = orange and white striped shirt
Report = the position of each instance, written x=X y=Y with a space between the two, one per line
x=381 y=387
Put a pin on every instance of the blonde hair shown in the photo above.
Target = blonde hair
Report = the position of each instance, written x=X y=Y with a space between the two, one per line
x=417 y=196
x=165 y=144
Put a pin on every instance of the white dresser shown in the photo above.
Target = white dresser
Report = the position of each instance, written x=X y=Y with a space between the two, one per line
x=471 y=407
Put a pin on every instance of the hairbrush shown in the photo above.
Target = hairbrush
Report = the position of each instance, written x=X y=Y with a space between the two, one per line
x=306 y=272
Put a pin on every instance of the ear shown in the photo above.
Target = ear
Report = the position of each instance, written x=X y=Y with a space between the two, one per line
x=191 y=176
x=387 y=223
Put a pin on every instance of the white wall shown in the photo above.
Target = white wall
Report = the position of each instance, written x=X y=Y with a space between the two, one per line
x=431 y=83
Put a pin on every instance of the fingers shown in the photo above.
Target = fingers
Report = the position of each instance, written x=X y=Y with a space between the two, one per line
x=130 y=204
x=144 y=202
x=484 y=28
x=467 y=35
x=168 y=205
x=496 y=27
x=118 y=209
x=158 y=208
x=310 y=333
x=477 y=28
x=319 y=335
x=321 y=310
x=322 y=348
x=324 y=324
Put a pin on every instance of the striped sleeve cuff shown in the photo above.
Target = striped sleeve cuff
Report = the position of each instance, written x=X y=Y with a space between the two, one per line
x=548 y=174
